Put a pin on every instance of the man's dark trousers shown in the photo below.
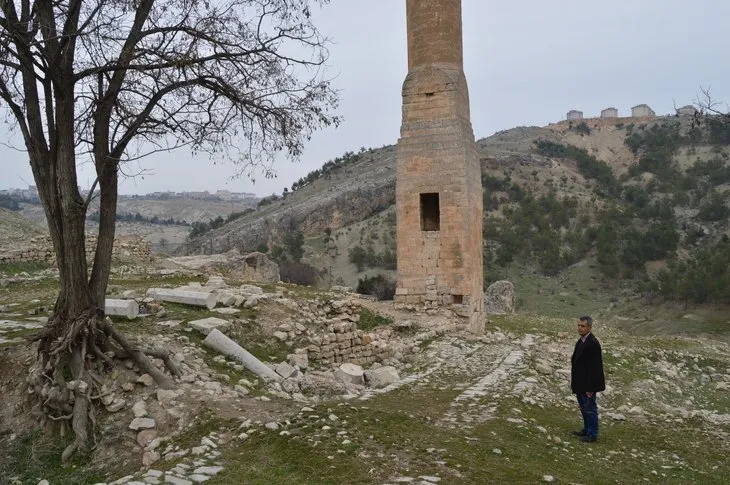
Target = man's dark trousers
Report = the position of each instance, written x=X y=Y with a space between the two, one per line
x=589 y=410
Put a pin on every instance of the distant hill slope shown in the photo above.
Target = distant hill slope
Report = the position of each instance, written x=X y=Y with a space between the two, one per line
x=15 y=229
x=177 y=208
x=357 y=190
x=349 y=193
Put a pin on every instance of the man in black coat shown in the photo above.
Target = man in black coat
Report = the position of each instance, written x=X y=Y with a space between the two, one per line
x=586 y=378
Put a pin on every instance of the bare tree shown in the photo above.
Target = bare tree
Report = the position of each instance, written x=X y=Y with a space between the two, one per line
x=110 y=81
x=706 y=106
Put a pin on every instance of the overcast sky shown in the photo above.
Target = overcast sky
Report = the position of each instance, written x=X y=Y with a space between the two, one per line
x=527 y=62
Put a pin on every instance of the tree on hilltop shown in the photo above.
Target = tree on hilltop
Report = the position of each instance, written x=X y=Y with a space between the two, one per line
x=108 y=82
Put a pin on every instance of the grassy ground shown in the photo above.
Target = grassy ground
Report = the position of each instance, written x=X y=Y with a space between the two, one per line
x=580 y=290
x=409 y=433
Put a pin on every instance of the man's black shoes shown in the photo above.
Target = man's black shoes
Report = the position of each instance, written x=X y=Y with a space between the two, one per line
x=580 y=433
x=588 y=439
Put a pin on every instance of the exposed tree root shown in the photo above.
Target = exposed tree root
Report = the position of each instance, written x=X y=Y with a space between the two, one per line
x=85 y=349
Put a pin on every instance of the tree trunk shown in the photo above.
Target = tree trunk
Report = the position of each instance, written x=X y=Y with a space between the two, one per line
x=107 y=228
x=77 y=341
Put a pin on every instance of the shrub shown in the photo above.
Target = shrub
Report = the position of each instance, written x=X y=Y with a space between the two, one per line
x=588 y=165
x=358 y=257
x=714 y=209
x=370 y=320
x=379 y=286
x=298 y=273
x=294 y=243
x=582 y=128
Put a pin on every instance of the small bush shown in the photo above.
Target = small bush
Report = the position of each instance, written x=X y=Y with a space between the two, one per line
x=298 y=273
x=582 y=128
x=379 y=286
x=370 y=320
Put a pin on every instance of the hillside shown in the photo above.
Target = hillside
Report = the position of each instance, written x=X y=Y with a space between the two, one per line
x=16 y=229
x=177 y=208
x=630 y=195
x=163 y=220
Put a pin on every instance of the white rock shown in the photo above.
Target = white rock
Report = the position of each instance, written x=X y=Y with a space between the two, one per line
x=350 y=374
x=146 y=380
x=123 y=308
x=170 y=323
x=145 y=437
x=199 y=478
x=299 y=360
x=122 y=480
x=150 y=457
x=141 y=423
x=285 y=370
x=205 y=325
x=117 y=405
x=281 y=335
x=176 y=480
x=226 y=299
x=44 y=482
x=272 y=426
x=216 y=282
x=496 y=451
x=139 y=409
x=381 y=377
x=208 y=470
x=208 y=442
x=226 y=311
x=214 y=386
x=548 y=478
x=165 y=396
x=251 y=290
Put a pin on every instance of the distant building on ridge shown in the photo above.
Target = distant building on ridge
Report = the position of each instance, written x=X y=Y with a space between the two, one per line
x=574 y=114
x=609 y=113
x=641 y=111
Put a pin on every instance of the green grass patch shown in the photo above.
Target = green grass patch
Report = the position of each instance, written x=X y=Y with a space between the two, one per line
x=23 y=267
x=370 y=320
x=579 y=291
x=272 y=459
x=37 y=455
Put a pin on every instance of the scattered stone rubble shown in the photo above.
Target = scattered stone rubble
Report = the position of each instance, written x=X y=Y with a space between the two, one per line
x=40 y=248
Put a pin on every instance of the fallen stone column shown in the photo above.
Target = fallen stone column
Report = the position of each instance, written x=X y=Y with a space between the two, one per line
x=193 y=298
x=121 y=308
x=218 y=341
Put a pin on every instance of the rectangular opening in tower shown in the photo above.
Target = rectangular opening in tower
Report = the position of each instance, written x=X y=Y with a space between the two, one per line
x=430 y=212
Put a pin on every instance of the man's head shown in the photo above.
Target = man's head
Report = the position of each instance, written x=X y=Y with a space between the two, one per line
x=584 y=325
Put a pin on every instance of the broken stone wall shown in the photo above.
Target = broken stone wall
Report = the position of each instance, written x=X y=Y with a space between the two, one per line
x=335 y=338
x=40 y=249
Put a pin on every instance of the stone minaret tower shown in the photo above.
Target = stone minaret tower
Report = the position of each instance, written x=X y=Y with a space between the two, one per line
x=438 y=184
